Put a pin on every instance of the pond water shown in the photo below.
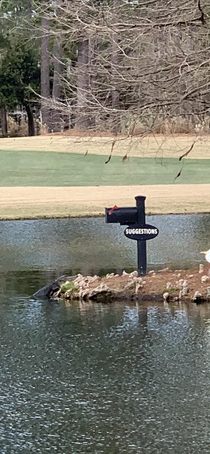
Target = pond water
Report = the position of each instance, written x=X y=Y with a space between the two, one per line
x=89 y=245
x=100 y=379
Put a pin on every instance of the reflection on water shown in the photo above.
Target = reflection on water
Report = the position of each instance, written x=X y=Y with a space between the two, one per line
x=89 y=245
x=130 y=319
x=88 y=378
x=104 y=379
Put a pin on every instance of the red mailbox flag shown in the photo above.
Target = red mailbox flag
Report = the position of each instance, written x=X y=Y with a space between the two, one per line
x=114 y=208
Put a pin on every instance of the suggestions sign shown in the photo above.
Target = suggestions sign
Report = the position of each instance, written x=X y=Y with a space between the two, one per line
x=139 y=232
x=134 y=218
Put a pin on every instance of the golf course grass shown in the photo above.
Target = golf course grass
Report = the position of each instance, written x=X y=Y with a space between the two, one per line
x=34 y=168
x=59 y=176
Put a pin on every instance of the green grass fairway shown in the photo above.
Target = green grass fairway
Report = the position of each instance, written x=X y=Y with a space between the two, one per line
x=30 y=168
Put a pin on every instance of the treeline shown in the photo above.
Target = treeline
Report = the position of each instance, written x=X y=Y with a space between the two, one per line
x=121 y=66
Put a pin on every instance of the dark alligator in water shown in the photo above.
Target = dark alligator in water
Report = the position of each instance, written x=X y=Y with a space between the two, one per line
x=49 y=290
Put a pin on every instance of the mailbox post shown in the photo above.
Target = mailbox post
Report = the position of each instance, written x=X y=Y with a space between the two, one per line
x=137 y=229
x=141 y=244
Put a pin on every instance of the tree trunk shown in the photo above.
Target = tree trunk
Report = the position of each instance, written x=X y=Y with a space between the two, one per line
x=114 y=63
x=115 y=92
x=82 y=120
x=3 y=116
x=57 y=53
x=45 y=72
x=31 y=125
x=29 y=8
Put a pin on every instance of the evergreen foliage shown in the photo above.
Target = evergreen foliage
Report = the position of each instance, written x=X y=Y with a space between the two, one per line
x=19 y=75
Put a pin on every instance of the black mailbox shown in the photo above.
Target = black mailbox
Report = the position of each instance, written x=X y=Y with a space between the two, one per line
x=123 y=215
x=134 y=218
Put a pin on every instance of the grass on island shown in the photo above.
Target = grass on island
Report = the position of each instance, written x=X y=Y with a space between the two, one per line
x=34 y=168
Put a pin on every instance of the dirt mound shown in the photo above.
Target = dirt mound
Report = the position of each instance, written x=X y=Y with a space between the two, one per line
x=164 y=285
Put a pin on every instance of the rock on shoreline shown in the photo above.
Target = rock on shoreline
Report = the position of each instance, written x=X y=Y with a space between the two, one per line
x=163 y=285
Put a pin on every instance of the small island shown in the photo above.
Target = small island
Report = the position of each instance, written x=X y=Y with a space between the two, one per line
x=163 y=285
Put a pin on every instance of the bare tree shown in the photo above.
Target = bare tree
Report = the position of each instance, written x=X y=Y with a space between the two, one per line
x=82 y=119
x=149 y=61
x=115 y=68
x=45 y=69
x=57 y=55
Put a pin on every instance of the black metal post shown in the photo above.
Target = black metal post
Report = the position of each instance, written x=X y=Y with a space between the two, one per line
x=141 y=245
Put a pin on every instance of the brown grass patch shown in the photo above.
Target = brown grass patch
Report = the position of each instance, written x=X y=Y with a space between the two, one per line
x=149 y=146
x=30 y=202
